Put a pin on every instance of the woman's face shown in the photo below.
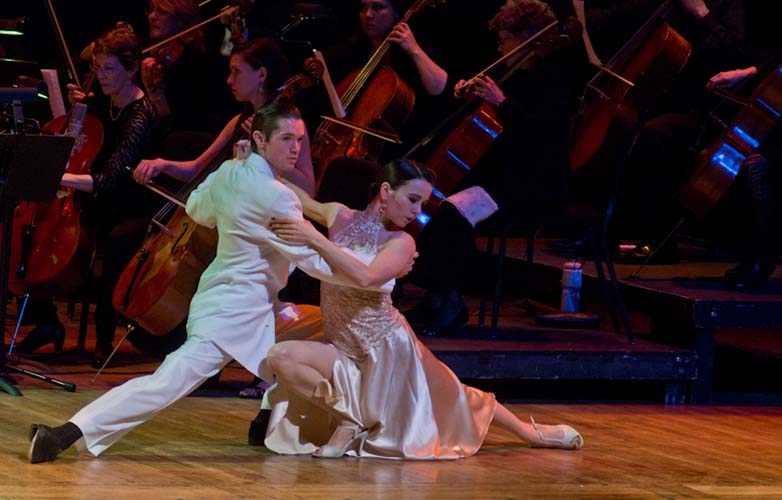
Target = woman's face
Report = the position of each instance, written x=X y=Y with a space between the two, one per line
x=245 y=82
x=377 y=18
x=405 y=202
x=162 y=24
x=112 y=75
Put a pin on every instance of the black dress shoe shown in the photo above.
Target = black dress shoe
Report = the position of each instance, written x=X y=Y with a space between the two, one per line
x=44 y=445
x=748 y=275
x=257 y=431
x=42 y=335
x=100 y=355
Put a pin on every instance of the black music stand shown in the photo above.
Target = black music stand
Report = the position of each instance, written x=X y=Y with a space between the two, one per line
x=31 y=167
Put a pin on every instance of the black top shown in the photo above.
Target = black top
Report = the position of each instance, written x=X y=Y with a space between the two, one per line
x=128 y=134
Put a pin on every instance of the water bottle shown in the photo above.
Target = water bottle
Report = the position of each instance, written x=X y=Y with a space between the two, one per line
x=571 y=287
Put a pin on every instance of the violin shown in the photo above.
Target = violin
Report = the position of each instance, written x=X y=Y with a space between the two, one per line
x=158 y=283
x=167 y=51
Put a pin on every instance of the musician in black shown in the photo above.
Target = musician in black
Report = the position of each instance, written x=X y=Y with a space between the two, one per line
x=523 y=174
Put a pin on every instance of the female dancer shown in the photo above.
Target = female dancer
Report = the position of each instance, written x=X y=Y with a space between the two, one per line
x=374 y=389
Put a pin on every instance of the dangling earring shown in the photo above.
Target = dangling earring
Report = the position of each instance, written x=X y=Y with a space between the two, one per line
x=382 y=209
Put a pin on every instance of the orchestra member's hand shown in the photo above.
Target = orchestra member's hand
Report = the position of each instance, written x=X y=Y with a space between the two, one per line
x=481 y=86
x=696 y=8
x=247 y=125
x=728 y=79
x=403 y=36
x=150 y=73
x=75 y=94
x=147 y=169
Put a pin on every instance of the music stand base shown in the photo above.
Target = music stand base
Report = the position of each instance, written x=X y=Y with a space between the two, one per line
x=6 y=382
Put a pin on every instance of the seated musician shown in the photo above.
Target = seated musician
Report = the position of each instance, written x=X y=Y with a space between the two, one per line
x=651 y=156
x=380 y=20
x=523 y=173
x=257 y=69
x=759 y=190
x=174 y=74
x=119 y=209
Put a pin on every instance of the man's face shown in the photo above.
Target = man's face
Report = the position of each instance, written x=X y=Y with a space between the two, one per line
x=281 y=149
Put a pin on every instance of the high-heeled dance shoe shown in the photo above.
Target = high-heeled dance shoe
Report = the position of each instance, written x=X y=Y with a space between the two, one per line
x=40 y=336
x=570 y=440
x=331 y=451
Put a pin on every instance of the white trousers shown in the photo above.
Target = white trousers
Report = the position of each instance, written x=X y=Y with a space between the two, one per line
x=104 y=421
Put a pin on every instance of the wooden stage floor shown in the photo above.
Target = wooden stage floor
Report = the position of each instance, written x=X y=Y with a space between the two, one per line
x=196 y=449
x=634 y=449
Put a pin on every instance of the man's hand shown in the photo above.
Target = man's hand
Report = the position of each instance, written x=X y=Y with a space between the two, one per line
x=242 y=149
x=408 y=267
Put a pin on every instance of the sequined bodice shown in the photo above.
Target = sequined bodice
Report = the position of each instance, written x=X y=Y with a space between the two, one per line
x=355 y=319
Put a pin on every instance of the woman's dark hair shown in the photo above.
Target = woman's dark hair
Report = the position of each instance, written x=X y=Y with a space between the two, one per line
x=398 y=172
x=122 y=43
x=265 y=53
x=267 y=118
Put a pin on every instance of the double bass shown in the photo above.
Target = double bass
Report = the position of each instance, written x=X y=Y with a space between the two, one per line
x=156 y=286
x=377 y=103
x=639 y=72
x=720 y=164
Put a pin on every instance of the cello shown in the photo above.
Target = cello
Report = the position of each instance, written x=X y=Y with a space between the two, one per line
x=642 y=69
x=720 y=164
x=52 y=251
x=377 y=103
x=156 y=286
x=477 y=126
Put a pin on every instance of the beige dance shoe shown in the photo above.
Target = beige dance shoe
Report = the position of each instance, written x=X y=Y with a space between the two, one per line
x=359 y=436
x=570 y=440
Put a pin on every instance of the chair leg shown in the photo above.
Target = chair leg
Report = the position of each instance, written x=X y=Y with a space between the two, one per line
x=83 y=319
x=495 y=307
x=617 y=291
x=597 y=257
x=482 y=308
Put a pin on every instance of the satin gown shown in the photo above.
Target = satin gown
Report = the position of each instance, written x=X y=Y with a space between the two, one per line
x=384 y=379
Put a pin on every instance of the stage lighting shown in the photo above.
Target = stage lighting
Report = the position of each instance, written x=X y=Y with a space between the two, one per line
x=12 y=26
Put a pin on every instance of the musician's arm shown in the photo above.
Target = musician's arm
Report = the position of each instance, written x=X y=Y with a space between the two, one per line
x=433 y=77
x=185 y=170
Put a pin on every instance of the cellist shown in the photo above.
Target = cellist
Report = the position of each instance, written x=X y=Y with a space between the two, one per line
x=658 y=165
x=119 y=209
x=523 y=173
x=380 y=20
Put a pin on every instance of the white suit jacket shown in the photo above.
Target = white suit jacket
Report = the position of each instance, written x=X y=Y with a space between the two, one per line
x=233 y=303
